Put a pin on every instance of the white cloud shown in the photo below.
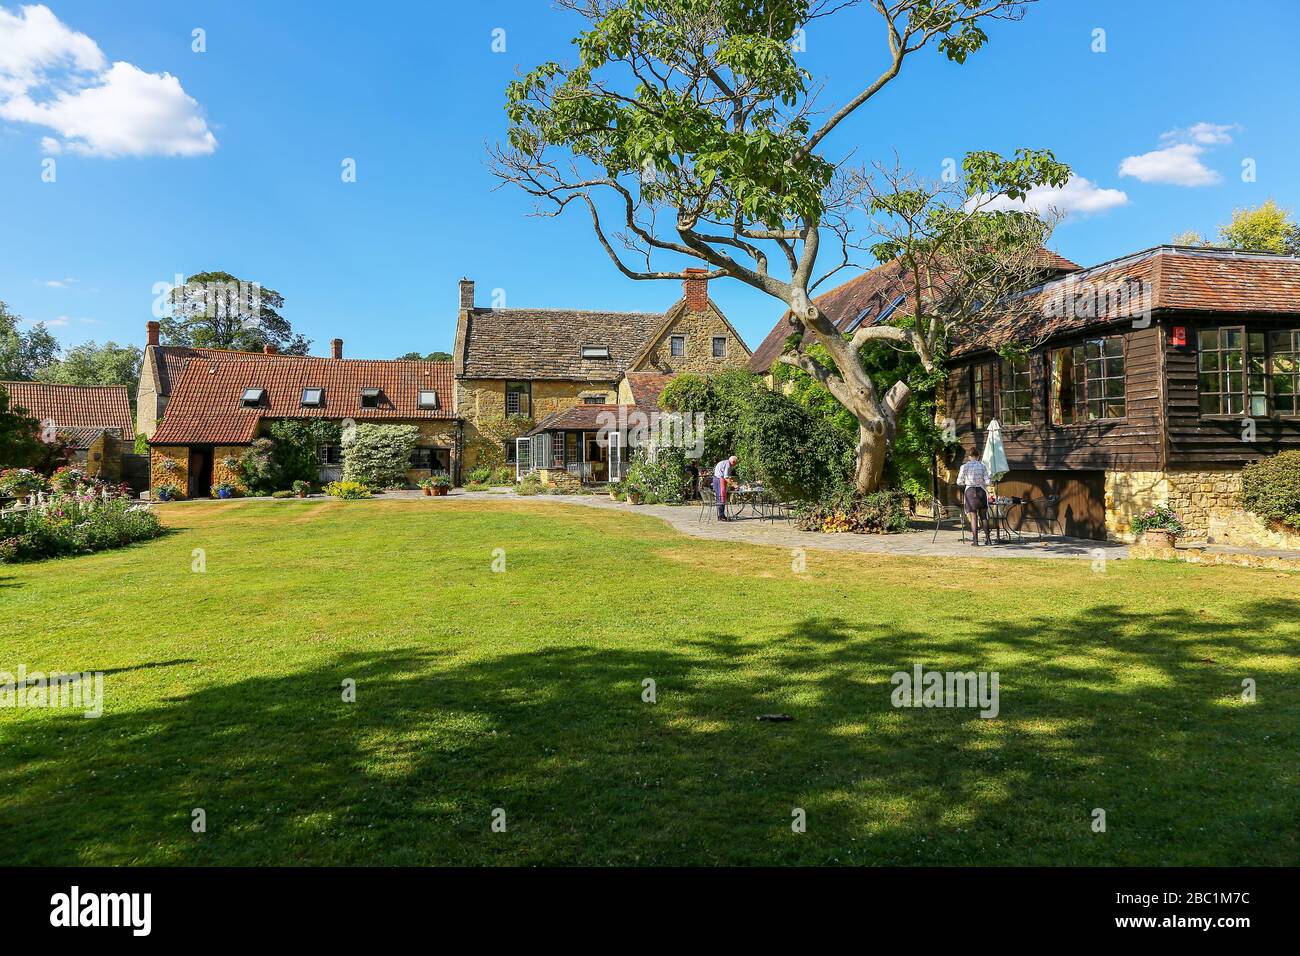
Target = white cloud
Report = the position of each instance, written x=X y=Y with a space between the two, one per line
x=59 y=322
x=1206 y=134
x=57 y=283
x=1179 y=165
x=1078 y=196
x=53 y=77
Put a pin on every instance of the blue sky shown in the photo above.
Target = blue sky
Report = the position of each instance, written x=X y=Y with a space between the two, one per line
x=1185 y=91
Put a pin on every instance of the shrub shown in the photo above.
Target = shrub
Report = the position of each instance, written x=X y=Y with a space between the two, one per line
x=379 y=455
x=74 y=524
x=529 y=485
x=505 y=475
x=257 y=469
x=295 y=456
x=282 y=494
x=300 y=487
x=68 y=479
x=20 y=482
x=1159 y=518
x=662 y=481
x=481 y=475
x=1270 y=488
x=881 y=512
x=476 y=486
x=347 y=490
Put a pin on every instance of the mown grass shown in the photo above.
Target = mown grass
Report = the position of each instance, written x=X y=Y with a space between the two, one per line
x=522 y=690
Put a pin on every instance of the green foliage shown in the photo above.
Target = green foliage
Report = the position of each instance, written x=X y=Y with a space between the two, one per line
x=1263 y=228
x=1159 y=518
x=881 y=512
x=23 y=354
x=20 y=482
x=1270 y=488
x=294 y=456
x=798 y=451
x=166 y=491
x=530 y=484
x=141 y=446
x=73 y=524
x=217 y=310
x=282 y=494
x=347 y=490
x=379 y=455
x=480 y=475
x=301 y=487
x=430 y=357
x=661 y=481
x=93 y=364
x=257 y=467
x=20 y=445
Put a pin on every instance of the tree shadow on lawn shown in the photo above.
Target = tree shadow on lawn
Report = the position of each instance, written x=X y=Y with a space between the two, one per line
x=1115 y=709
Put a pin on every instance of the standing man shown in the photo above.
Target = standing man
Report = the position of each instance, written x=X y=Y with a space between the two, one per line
x=721 y=479
x=973 y=479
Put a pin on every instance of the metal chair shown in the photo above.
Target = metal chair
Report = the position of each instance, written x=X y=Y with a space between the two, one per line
x=1044 y=513
x=942 y=512
x=708 y=503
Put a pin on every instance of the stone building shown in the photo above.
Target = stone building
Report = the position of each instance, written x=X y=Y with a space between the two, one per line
x=518 y=371
x=218 y=402
x=94 y=421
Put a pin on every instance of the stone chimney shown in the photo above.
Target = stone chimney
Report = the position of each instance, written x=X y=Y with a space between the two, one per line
x=336 y=348
x=696 y=289
x=270 y=348
x=466 y=294
x=151 y=332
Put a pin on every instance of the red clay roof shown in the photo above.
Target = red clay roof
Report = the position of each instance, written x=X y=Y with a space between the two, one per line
x=583 y=418
x=862 y=301
x=206 y=403
x=647 y=386
x=1178 y=279
x=75 y=406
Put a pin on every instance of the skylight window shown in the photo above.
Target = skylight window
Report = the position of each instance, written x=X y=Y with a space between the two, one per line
x=428 y=398
x=313 y=397
x=370 y=398
x=595 y=351
x=252 y=397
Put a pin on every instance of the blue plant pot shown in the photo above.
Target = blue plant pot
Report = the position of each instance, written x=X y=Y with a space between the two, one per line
x=224 y=493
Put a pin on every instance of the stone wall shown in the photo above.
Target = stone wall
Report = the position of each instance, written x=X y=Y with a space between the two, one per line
x=148 y=405
x=483 y=400
x=158 y=472
x=1206 y=501
x=700 y=328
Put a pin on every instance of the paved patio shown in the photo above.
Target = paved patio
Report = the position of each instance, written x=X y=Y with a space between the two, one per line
x=919 y=542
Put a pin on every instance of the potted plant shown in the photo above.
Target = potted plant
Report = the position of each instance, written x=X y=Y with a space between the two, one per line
x=634 y=494
x=1159 y=527
x=301 y=488
x=426 y=485
x=223 y=489
x=166 y=491
x=616 y=490
x=441 y=484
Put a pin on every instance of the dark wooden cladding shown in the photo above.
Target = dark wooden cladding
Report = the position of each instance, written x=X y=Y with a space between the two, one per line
x=1132 y=443
x=1210 y=442
x=1163 y=427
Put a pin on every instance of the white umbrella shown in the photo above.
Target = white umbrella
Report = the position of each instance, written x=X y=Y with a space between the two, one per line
x=995 y=456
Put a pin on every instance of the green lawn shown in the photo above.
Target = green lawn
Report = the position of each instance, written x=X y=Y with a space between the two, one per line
x=522 y=690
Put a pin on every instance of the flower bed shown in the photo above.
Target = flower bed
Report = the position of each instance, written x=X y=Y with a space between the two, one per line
x=78 y=523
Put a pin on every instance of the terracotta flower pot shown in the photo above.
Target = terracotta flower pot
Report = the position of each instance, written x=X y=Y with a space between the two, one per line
x=428 y=492
x=1158 y=538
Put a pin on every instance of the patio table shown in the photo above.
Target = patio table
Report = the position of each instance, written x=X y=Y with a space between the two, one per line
x=999 y=514
x=753 y=497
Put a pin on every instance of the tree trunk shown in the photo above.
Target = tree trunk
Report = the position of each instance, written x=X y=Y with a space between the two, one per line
x=869 y=458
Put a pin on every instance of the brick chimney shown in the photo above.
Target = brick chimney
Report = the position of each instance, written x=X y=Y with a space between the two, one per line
x=270 y=348
x=696 y=289
x=151 y=332
x=336 y=348
x=467 y=293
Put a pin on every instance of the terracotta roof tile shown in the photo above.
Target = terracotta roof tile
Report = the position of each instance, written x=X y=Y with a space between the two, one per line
x=75 y=406
x=865 y=299
x=206 y=404
x=1178 y=279
x=647 y=386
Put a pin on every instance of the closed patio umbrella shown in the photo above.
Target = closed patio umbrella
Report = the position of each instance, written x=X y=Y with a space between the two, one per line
x=995 y=456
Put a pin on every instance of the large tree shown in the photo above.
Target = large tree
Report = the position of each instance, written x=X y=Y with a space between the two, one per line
x=1263 y=228
x=688 y=131
x=94 y=364
x=23 y=354
x=216 y=310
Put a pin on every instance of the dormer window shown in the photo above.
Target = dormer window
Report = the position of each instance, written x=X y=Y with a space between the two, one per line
x=313 y=397
x=252 y=397
x=428 y=398
x=595 y=351
x=370 y=398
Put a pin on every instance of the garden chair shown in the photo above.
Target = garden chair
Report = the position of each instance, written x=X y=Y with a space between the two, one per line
x=942 y=512
x=708 y=502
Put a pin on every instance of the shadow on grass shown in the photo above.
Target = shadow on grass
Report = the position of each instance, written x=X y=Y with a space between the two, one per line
x=1116 y=709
